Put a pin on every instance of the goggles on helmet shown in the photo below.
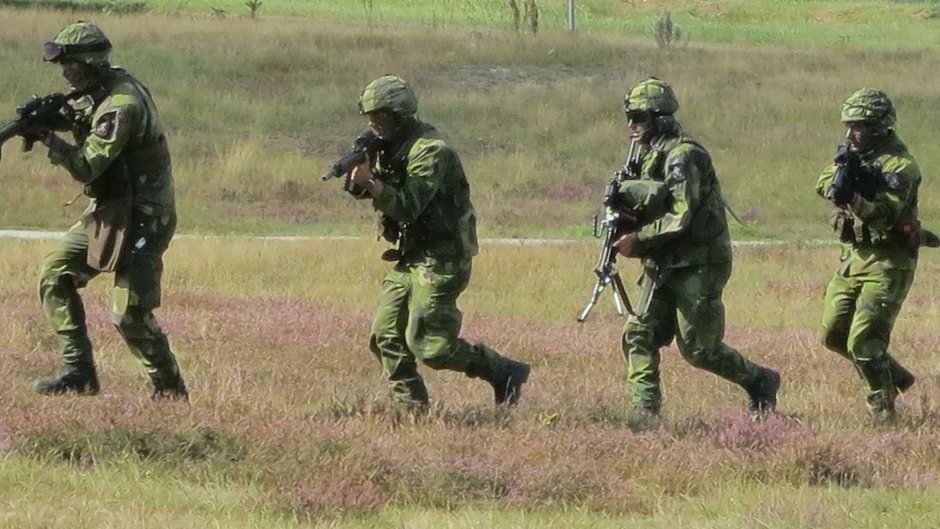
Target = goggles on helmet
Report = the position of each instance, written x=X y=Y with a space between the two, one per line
x=639 y=116
x=53 y=51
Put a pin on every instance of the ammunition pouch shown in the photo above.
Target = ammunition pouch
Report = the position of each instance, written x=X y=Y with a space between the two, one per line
x=843 y=224
x=909 y=232
x=389 y=229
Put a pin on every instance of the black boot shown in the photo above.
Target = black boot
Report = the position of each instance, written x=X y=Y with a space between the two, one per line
x=507 y=388
x=78 y=378
x=763 y=394
x=172 y=390
x=903 y=379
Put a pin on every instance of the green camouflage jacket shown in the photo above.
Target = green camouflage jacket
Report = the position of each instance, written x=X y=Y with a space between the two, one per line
x=121 y=142
x=426 y=192
x=888 y=204
x=693 y=231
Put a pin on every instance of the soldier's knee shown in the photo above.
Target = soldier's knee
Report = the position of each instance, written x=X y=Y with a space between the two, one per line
x=835 y=339
x=134 y=322
x=438 y=359
x=51 y=279
x=433 y=355
x=701 y=358
x=379 y=342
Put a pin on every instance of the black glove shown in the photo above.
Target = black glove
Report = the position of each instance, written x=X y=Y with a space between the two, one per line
x=840 y=192
x=846 y=157
x=841 y=189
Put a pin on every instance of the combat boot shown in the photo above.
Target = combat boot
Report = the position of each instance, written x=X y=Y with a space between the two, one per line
x=507 y=388
x=902 y=378
x=763 y=394
x=173 y=390
x=78 y=378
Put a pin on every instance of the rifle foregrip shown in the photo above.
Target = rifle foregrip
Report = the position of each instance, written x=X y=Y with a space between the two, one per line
x=345 y=164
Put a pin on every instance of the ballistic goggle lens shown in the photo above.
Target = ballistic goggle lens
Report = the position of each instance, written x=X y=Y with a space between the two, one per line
x=52 y=51
x=638 y=116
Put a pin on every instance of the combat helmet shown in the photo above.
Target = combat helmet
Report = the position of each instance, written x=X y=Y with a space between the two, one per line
x=81 y=41
x=870 y=106
x=388 y=93
x=652 y=95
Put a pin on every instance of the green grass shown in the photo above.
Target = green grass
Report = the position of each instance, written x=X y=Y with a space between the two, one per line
x=290 y=425
x=257 y=109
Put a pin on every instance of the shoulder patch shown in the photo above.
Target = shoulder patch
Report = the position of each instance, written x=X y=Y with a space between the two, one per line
x=677 y=173
x=107 y=125
x=895 y=181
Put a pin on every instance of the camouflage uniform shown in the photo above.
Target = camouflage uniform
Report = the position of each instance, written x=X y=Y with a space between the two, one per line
x=880 y=235
x=121 y=155
x=686 y=258
x=425 y=206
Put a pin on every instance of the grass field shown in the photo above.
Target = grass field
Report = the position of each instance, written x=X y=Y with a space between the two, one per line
x=289 y=424
x=258 y=109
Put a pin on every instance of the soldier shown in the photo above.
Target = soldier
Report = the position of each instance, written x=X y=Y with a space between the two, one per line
x=416 y=181
x=121 y=157
x=873 y=184
x=686 y=257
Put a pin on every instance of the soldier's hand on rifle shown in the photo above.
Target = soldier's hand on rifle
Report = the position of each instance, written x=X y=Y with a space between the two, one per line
x=59 y=149
x=362 y=177
x=627 y=244
x=841 y=196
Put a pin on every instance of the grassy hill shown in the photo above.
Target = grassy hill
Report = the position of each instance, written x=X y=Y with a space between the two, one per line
x=289 y=424
x=257 y=109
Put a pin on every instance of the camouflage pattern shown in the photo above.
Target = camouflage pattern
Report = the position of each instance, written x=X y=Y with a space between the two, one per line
x=135 y=294
x=427 y=194
x=84 y=33
x=651 y=95
x=686 y=257
x=389 y=93
x=122 y=137
x=869 y=105
x=876 y=269
x=120 y=143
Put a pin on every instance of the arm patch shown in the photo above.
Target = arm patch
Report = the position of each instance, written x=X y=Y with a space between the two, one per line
x=677 y=173
x=107 y=125
x=896 y=181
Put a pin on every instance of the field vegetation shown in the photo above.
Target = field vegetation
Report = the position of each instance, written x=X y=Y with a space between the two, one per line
x=289 y=424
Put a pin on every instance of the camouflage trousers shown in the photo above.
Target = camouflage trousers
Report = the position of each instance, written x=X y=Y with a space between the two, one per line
x=685 y=305
x=418 y=320
x=861 y=305
x=135 y=294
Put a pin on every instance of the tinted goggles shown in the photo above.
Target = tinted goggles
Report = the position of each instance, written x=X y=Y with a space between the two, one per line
x=53 y=51
x=639 y=116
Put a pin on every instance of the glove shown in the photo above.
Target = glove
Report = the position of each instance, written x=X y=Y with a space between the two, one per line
x=627 y=244
x=840 y=195
x=59 y=149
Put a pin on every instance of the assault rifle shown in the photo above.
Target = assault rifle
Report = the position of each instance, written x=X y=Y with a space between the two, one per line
x=365 y=145
x=36 y=115
x=850 y=177
x=616 y=221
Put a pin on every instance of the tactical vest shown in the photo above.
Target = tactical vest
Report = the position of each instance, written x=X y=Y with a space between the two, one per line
x=145 y=154
x=446 y=228
x=877 y=181
x=706 y=239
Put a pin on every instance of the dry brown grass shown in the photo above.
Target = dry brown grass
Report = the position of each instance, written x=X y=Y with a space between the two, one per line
x=286 y=396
